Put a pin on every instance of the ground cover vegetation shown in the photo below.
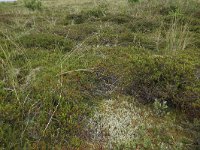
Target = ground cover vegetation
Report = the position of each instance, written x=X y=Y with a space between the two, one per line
x=100 y=74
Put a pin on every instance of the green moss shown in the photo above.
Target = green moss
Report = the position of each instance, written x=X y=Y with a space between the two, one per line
x=133 y=1
x=5 y=43
x=47 y=41
x=167 y=10
x=85 y=16
x=81 y=32
x=103 y=39
x=195 y=29
x=68 y=121
x=143 y=25
x=33 y=4
x=123 y=39
x=117 y=18
x=75 y=18
x=7 y=19
x=96 y=12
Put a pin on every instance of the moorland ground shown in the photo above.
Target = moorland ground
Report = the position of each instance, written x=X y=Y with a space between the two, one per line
x=101 y=74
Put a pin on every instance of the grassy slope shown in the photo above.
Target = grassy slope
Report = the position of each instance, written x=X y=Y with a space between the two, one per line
x=59 y=63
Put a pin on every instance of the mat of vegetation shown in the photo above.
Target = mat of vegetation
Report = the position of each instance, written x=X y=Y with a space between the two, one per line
x=100 y=74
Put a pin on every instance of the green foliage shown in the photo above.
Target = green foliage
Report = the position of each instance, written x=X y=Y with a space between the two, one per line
x=122 y=39
x=119 y=48
x=33 y=4
x=46 y=41
x=168 y=78
x=126 y=125
x=160 y=108
x=6 y=19
x=75 y=19
x=168 y=10
x=46 y=118
x=81 y=31
x=85 y=16
x=133 y=1
x=97 y=12
x=143 y=25
x=6 y=43
x=117 y=18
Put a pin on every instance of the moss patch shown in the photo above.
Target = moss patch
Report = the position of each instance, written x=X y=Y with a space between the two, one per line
x=46 y=41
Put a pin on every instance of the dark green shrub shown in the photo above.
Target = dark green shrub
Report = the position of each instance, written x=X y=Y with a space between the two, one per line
x=122 y=39
x=133 y=1
x=76 y=32
x=81 y=31
x=119 y=19
x=47 y=41
x=7 y=19
x=33 y=4
x=143 y=26
x=196 y=41
x=7 y=44
x=166 y=78
x=85 y=16
x=97 y=13
x=67 y=124
x=167 y=10
x=75 y=19
x=136 y=40
x=103 y=39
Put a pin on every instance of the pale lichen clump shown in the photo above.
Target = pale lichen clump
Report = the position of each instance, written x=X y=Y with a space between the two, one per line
x=117 y=123
x=123 y=124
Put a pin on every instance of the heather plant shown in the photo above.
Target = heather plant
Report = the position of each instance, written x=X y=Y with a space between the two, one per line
x=46 y=41
x=163 y=78
x=133 y=1
x=33 y=4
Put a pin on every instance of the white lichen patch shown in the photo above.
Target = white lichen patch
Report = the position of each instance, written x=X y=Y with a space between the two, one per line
x=116 y=122
x=121 y=123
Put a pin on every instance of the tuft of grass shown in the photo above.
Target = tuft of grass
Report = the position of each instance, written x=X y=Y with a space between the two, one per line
x=178 y=36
